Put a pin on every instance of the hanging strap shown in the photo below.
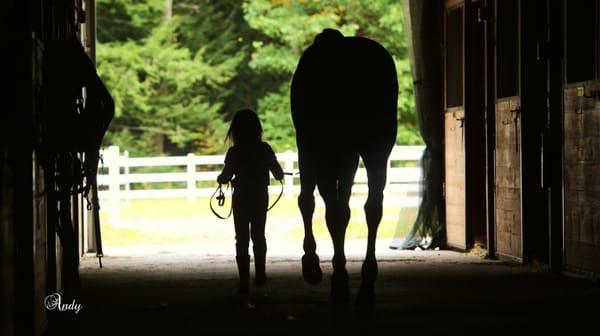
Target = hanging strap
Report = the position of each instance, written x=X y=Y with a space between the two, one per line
x=220 y=200
x=220 y=195
x=278 y=196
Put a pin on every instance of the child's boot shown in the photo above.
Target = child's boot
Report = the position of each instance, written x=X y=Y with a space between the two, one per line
x=243 y=264
x=259 y=265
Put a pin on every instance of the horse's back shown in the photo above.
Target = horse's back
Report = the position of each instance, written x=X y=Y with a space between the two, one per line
x=344 y=95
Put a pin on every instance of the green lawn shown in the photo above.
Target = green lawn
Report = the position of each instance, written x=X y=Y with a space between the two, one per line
x=284 y=222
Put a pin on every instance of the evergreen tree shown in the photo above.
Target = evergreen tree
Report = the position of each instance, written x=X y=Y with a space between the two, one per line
x=219 y=29
x=290 y=27
x=179 y=69
x=163 y=89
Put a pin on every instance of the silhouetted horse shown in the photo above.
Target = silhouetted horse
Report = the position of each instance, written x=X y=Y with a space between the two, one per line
x=344 y=105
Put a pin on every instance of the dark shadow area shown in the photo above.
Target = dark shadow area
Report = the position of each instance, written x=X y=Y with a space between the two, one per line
x=418 y=293
x=82 y=109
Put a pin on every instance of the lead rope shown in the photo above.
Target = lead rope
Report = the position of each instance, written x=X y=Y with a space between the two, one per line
x=278 y=196
x=221 y=200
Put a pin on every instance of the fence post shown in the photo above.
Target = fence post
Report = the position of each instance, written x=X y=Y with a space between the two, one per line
x=191 y=178
x=114 y=186
x=289 y=168
x=126 y=177
x=388 y=173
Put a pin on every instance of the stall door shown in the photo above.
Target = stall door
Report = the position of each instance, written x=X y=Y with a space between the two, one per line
x=507 y=154
x=582 y=137
x=454 y=126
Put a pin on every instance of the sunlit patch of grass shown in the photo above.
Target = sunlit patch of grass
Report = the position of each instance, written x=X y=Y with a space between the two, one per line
x=123 y=236
x=396 y=222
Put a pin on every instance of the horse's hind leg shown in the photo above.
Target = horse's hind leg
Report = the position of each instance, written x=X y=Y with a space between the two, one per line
x=311 y=270
x=336 y=190
x=376 y=166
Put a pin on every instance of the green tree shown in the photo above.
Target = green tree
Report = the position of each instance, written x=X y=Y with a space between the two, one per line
x=179 y=69
x=122 y=20
x=163 y=89
x=289 y=27
x=219 y=29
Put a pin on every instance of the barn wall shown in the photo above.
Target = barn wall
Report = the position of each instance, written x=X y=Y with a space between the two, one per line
x=533 y=178
x=581 y=101
x=7 y=248
x=475 y=138
x=535 y=121
x=455 y=186
x=30 y=252
x=17 y=224
x=582 y=178
x=455 y=191
x=508 y=180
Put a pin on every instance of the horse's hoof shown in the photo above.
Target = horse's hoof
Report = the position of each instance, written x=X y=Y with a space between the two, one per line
x=311 y=270
x=365 y=301
x=340 y=288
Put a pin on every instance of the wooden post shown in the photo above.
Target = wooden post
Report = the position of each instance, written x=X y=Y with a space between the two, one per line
x=388 y=173
x=126 y=177
x=191 y=179
x=289 y=179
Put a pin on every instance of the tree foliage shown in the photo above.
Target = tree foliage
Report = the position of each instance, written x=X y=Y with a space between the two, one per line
x=290 y=27
x=177 y=79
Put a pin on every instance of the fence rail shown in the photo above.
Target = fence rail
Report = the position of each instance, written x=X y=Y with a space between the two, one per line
x=119 y=173
x=116 y=183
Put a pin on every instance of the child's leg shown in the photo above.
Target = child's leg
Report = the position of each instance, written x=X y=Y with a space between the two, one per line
x=259 y=242
x=259 y=245
x=241 y=222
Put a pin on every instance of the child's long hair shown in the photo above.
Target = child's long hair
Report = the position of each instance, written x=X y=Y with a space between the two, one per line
x=245 y=128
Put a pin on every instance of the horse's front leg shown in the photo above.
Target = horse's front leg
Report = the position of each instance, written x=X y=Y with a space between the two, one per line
x=311 y=270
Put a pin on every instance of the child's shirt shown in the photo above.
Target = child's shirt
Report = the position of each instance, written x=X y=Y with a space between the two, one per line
x=250 y=164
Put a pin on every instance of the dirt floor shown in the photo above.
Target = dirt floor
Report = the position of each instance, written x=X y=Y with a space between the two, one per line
x=419 y=293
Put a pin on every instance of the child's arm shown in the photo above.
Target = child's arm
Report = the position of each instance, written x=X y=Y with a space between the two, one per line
x=227 y=172
x=274 y=165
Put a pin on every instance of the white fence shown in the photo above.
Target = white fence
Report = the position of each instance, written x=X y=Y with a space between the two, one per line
x=116 y=184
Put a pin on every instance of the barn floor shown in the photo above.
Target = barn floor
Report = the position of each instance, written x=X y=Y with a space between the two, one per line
x=419 y=293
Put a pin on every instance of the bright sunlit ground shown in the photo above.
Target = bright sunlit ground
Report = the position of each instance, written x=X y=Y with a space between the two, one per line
x=178 y=224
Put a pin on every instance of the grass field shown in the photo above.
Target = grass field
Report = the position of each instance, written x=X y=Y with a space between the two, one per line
x=178 y=221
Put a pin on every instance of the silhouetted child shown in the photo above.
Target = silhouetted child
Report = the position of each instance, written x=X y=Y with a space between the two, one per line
x=248 y=162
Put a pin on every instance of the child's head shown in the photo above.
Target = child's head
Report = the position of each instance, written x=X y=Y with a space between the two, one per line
x=245 y=128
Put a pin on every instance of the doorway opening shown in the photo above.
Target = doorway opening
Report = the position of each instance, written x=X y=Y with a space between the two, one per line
x=179 y=70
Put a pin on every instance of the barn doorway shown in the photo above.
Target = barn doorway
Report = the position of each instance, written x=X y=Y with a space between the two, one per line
x=158 y=173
